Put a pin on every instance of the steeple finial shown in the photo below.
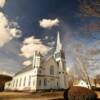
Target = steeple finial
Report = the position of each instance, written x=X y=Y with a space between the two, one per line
x=58 y=45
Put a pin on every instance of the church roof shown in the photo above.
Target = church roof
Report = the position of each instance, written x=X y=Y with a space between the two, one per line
x=49 y=54
x=43 y=60
x=28 y=68
x=24 y=70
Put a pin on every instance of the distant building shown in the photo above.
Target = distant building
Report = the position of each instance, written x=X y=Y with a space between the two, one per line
x=81 y=83
x=45 y=73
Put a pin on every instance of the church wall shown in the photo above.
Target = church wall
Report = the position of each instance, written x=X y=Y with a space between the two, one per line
x=46 y=75
x=46 y=79
x=53 y=83
x=47 y=83
x=24 y=81
x=51 y=63
x=30 y=80
x=7 y=85
x=50 y=77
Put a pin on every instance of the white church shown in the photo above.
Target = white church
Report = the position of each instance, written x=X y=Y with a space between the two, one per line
x=46 y=72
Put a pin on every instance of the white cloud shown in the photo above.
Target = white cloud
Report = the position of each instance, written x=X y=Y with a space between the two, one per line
x=2 y=3
x=32 y=40
x=27 y=63
x=49 y=23
x=9 y=54
x=15 y=32
x=7 y=33
x=32 y=44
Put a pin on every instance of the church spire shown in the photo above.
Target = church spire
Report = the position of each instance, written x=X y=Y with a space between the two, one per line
x=58 y=44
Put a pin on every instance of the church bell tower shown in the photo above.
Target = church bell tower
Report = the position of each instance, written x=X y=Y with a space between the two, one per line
x=60 y=59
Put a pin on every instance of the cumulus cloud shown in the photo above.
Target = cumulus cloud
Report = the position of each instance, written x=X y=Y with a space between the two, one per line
x=7 y=32
x=27 y=63
x=48 y=23
x=32 y=44
x=2 y=3
x=15 y=32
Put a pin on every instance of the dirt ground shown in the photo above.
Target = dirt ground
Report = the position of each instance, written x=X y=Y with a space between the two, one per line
x=30 y=96
x=36 y=96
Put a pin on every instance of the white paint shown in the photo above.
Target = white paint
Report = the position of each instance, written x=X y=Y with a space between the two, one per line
x=43 y=75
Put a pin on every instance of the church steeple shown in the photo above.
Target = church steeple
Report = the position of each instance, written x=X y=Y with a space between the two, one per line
x=58 y=44
x=60 y=59
x=58 y=54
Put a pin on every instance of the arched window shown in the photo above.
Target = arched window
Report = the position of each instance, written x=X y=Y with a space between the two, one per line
x=51 y=70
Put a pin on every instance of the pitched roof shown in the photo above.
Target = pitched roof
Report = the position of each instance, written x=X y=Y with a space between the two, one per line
x=44 y=58
x=49 y=54
x=24 y=70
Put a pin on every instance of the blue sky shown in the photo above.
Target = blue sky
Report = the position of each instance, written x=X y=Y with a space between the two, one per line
x=25 y=15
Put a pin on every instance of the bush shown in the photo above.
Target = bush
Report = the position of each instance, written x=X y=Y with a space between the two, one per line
x=79 y=93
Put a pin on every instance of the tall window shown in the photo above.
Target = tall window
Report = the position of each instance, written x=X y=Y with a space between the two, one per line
x=29 y=82
x=24 y=81
x=39 y=82
x=16 y=82
x=57 y=84
x=33 y=83
x=45 y=82
x=13 y=83
x=20 y=82
x=51 y=70
x=40 y=72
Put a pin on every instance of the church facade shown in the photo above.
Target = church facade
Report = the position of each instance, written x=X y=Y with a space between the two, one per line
x=45 y=73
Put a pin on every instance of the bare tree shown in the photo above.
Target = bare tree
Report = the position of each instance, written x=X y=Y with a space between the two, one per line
x=82 y=63
x=98 y=79
x=90 y=8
